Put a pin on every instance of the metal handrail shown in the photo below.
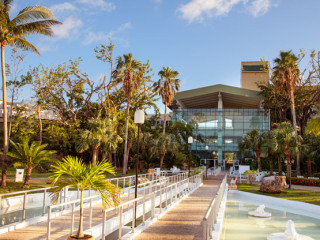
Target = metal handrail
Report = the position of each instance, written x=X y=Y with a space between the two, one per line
x=210 y=217
x=151 y=196
x=64 y=200
x=179 y=178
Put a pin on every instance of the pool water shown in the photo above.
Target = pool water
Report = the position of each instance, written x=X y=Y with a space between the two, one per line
x=238 y=225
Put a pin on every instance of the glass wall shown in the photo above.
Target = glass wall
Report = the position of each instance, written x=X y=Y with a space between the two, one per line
x=222 y=129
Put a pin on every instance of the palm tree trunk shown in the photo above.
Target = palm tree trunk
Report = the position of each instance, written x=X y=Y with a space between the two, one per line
x=110 y=157
x=125 y=154
x=5 y=119
x=80 y=229
x=161 y=160
x=129 y=148
x=11 y=111
x=95 y=155
x=259 y=161
x=164 y=118
x=309 y=166
x=294 y=122
x=40 y=123
x=287 y=157
x=279 y=165
x=27 y=178
x=271 y=164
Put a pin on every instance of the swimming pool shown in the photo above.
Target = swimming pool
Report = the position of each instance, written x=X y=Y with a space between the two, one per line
x=238 y=225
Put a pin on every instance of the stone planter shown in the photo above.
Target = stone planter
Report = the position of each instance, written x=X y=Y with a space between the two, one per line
x=86 y=237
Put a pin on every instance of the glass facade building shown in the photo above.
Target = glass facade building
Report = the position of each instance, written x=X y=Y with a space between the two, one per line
x=222 y=129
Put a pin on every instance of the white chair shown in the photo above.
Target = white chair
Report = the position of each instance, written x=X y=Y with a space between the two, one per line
x=259 y=176
x=233 y=181
x=300 y=176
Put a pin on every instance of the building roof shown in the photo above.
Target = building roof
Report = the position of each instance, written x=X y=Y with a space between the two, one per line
x=208 y=97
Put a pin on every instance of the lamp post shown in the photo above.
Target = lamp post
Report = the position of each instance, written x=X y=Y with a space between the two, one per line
x=190 y=141
x=207 y=148
x=138 y=119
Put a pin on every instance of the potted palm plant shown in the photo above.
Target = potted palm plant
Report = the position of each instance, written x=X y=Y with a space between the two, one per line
x=72 y=172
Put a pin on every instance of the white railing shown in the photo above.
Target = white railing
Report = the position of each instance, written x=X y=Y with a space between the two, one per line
x=210 y=217
x=126 y=183
x=153 y=186
x=170 y=190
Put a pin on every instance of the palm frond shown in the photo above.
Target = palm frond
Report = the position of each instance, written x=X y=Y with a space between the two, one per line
x=39 y=27
x=24 y=44
x=30 y=14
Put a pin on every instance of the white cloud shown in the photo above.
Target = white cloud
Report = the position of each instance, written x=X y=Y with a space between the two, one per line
x=69 y=28
x=259 y=7
x=66 y=6
x=198 y=10
x=101 y=4
x=101 y=36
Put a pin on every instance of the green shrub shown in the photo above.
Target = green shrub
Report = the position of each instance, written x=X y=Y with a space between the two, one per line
x=316 y=175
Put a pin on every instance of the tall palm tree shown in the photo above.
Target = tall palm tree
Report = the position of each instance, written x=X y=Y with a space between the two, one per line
x=13 y=32
x=125 y=73
x=99 y=132
x=253 y=141
x=269 y=146
x=29 y=156
x=167 y=86
x=285 y=75
x=72 y=172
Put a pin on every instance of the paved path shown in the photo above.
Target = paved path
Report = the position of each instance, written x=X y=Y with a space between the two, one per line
x=183 y=221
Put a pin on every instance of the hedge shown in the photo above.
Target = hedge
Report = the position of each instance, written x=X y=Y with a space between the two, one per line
x=304 y=181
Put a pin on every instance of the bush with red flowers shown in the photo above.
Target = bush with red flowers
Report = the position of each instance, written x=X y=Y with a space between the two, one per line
x=304 y=181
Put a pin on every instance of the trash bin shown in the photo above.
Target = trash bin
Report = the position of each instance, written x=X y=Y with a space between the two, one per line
x=19 y=175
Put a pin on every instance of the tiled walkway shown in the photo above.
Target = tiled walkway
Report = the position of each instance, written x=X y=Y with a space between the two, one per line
x=183 y=221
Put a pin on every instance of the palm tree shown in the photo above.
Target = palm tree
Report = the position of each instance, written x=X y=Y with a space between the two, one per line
x=313 y=126
x=278 y=151
x=99 y=132
x=29 y=157
x=269 y=146
x=111 y=146
x=310 y=148
x=72 y=172
x=253 y=141
x=125 y=73
x=287 y=141
x=285 y=75
x=13 y=32
x=167 y=86
x=163 y=144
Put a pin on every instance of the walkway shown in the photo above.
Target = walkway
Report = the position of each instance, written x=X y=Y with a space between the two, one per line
x=183 y=221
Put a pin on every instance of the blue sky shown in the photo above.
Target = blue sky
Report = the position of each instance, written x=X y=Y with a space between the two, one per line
x=205 y=40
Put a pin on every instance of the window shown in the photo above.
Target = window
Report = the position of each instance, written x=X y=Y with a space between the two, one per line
x=228 y=123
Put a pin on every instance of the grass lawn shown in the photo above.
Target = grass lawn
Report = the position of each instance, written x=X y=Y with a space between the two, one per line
x=15 y=187
x=34 y=183
x=312 y=197
x=35 y=174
